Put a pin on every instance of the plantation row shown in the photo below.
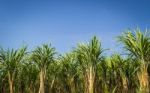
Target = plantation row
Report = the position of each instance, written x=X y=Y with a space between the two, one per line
x=85 y=69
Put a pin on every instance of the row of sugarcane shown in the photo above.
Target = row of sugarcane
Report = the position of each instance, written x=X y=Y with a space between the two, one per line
x=85 y=69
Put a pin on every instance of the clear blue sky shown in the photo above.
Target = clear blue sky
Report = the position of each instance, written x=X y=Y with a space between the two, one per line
x=66 y=22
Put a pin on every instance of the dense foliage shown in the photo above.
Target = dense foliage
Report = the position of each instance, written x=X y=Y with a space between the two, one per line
x=85 y=69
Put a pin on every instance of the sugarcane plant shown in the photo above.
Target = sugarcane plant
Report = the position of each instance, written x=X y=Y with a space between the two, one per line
x=85 y=69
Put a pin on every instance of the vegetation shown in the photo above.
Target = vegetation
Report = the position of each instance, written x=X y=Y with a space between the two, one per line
x=85 y=69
